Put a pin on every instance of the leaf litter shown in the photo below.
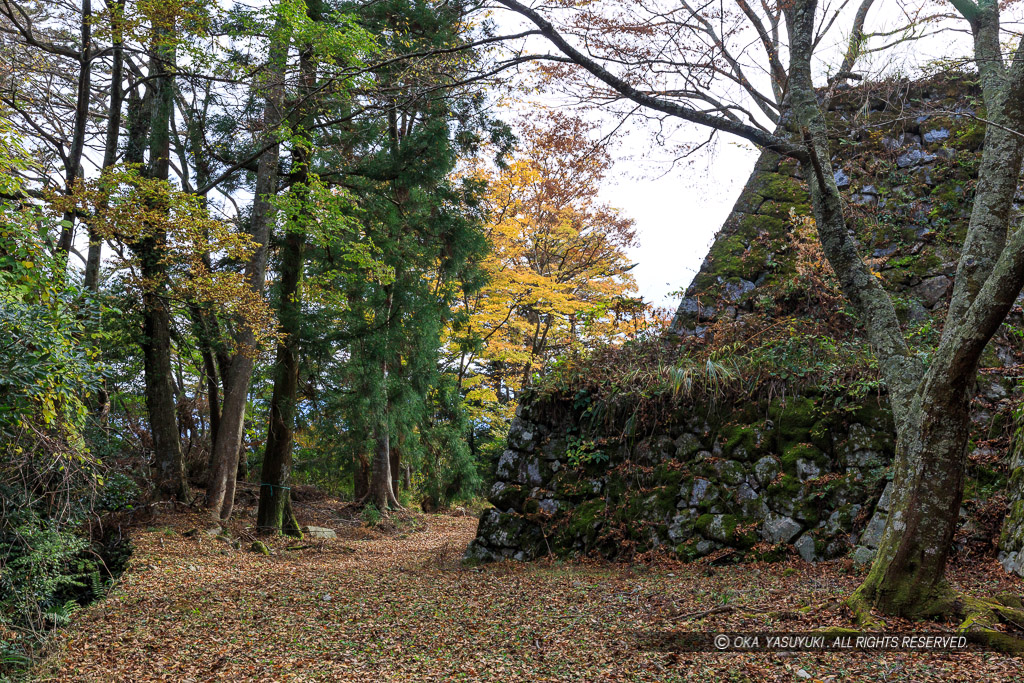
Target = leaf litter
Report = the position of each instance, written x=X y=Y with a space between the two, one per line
x=394 y=603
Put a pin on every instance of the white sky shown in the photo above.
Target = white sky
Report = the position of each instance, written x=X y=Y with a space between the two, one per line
x=677 y=214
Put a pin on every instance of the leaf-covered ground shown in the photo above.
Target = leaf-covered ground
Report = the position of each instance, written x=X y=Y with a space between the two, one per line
x=394 y=604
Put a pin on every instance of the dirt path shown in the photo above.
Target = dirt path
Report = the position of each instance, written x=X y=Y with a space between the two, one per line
x=398 y=607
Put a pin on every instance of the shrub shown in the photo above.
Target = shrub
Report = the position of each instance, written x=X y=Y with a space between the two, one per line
x=119 y=492
x=371 y=515
x=46 y=572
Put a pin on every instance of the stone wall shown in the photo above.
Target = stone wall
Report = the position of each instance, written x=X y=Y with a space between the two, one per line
x=807 y=473
x=781 y=472
x=1012 y=540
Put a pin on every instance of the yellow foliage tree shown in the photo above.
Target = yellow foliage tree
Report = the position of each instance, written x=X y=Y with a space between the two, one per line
x=126 y=208
x=558 y=278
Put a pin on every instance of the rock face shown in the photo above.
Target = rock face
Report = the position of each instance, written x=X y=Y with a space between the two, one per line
x=801 y=470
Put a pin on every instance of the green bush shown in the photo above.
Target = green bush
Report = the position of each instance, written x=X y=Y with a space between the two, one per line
x=119 y=492
x=49 y=370
x=371 y=515
x=45 y=572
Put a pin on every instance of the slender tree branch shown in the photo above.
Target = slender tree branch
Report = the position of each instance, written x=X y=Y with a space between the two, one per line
x=755 y=135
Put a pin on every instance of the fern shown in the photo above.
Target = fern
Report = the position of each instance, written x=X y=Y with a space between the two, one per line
x=60 y=615
x=11 y=659
x=44 y=572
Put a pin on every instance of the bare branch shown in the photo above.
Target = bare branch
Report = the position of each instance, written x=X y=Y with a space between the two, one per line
x=755 y=135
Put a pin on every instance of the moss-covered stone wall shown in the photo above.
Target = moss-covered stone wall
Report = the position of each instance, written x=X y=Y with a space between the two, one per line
x=779 y=472
x=802 y=467
x=1011 y=544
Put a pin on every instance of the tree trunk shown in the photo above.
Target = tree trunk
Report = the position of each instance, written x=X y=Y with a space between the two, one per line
x=73 y=170
x=93 y=258
x=381 y=493
x=930 y=409
x=212 y=398
x=156 y=343
x=243 y=464
x=908 y=575
x=360 y=476
x=215 y=364
x=220 y=494
x=160 y=403
x=91 y=278
x=205 y=323
x=396 y=470
x=277 y=458
x=211 y=376
x=274 y=514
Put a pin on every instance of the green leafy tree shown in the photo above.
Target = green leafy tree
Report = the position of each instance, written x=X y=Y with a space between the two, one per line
x=48 y=367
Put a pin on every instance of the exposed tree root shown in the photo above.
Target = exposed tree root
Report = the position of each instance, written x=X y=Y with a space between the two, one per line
x=291 y=528
x=979 y=617
x=862 y=616
x=392 y=505
x=290 y=525
x=392 y=501
x=818 y=607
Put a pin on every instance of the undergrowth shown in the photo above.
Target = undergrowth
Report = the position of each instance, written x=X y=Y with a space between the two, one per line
x=795 y=335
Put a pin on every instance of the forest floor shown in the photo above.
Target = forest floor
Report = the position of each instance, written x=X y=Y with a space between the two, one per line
x=393 y=603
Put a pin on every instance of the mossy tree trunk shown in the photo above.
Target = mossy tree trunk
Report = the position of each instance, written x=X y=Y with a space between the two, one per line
x=930 y=405
x=908 y=575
